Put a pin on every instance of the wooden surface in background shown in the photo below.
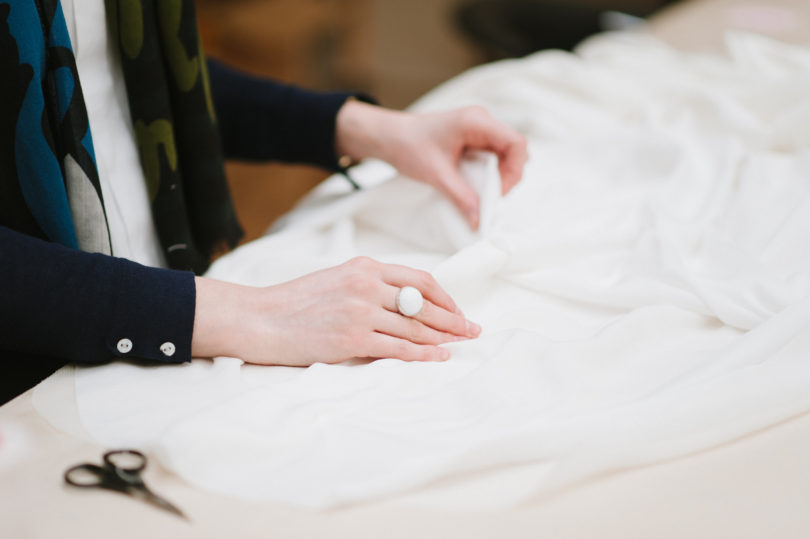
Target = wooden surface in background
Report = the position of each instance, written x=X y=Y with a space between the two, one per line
x=295 y=41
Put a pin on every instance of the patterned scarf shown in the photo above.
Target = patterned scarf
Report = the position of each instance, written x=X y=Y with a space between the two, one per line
x=49 y=185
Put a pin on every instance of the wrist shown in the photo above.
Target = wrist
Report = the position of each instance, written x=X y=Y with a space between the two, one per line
x=219 y=317
x=360 y=128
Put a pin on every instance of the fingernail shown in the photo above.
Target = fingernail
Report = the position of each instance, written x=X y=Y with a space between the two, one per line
x=473 y=329
x=444 y=354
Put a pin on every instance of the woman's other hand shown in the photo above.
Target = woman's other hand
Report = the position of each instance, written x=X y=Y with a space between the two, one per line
x=428 y=147
x=348 y=311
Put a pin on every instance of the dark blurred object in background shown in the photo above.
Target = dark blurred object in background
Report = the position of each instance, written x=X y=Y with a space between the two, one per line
x=514 y=28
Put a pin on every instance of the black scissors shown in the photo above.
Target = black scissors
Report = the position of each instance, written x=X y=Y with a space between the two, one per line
x=120 y=472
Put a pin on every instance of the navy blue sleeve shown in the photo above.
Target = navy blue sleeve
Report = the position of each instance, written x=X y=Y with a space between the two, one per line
x=263 y=120
x=86 y=308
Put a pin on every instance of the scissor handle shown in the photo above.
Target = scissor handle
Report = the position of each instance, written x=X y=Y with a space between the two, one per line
x=121 y=470
x=126 y=460
x=86 y=476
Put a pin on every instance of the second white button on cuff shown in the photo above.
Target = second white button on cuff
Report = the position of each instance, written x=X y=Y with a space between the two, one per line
x=167 y=348
x=124 y=346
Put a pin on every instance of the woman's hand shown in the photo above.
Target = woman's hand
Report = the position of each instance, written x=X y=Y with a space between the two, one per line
x=428 y=147
x=329 y=316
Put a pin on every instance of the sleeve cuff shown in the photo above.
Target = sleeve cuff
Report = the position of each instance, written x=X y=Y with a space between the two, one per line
x=153 y=315
x=91 y=308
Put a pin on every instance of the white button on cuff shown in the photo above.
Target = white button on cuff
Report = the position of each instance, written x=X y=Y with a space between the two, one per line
x=124 y=346
x=167 y=348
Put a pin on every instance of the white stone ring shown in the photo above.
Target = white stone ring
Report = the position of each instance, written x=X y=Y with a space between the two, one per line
x=409 y=301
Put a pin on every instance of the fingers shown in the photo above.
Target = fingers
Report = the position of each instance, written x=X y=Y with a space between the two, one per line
x=391 y=334
x=486 y=133
x=463 y=196
x=413 y=330
x=442 y=172
x=511 y=163
x=386 y=346
x=423 y=281
x=449 y=325
x=510 y=147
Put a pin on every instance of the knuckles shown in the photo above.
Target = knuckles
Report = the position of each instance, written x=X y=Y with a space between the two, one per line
x=416 y=332
x=401 y=350
x=424 y=281
x=362 y=263
x=358 y=274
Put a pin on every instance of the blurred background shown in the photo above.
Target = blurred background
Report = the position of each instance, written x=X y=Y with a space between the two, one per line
x=395 y=50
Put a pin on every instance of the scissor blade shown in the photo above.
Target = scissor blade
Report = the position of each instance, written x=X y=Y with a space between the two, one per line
x=152 y=498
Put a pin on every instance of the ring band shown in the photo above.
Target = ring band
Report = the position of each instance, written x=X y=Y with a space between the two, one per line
x=409 y=301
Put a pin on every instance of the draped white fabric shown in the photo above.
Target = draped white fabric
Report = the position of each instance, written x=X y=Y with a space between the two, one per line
x=643 y=292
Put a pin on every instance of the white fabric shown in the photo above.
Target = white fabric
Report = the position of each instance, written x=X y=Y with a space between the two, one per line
x=123 y=187
x=643 y=293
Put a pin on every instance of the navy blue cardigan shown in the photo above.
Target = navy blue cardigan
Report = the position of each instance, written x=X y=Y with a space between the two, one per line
x=59 y=305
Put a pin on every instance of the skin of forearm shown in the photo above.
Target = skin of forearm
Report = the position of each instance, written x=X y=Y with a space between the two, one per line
x=220 y=317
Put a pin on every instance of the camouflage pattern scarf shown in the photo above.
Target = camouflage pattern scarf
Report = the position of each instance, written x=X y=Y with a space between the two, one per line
x=49 y=184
